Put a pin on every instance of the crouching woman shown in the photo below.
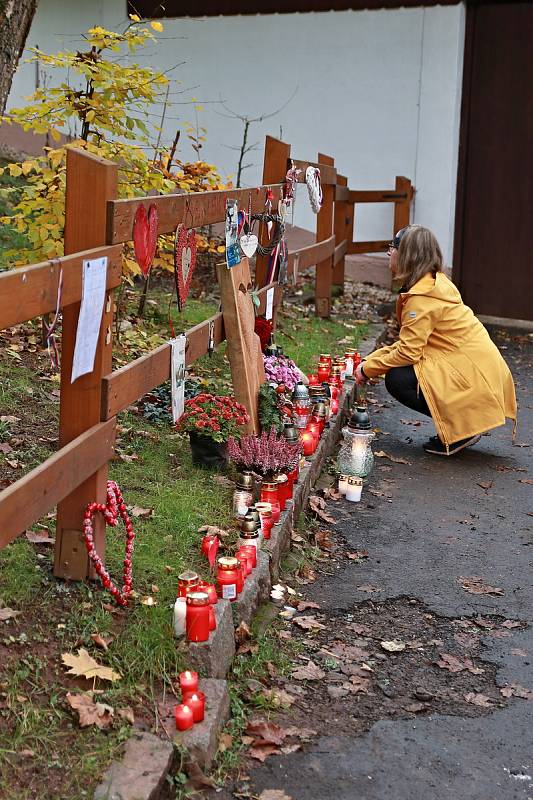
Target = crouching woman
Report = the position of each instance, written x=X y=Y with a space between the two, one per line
x=444 y=364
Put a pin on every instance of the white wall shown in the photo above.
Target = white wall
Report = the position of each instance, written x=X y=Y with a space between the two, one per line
x=378 y=90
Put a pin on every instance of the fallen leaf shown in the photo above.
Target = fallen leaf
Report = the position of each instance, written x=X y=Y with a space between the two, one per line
x=367 y=587
x=515 y=690
x=454 y=664
x=89 y=712
x=516 y=651
x=5 y=448
x=213 y=530
x=9 y=418
x=415 y=422
x=467 y=639
x=8 y=613
x=308 y=623
x=309 y=672
x=359 y=629
x=127 y=714
x=287 y=749
x=336 y=692
x=474 y=585
x=503 y=468
x=303 y=605
x=393 y=646
x=155 y=588
x=225 y=742
x=268 y=732
x=262 y=752
x=274 y=794
x=529 y=481
x=359 y=554
x=148 y=600
x=100 y=641
x=396 y=459
x=242 y=633
x=318 y=505
x=323 y=540
x=478 y=699
x=511 y=623
x=83 y=664
x=358 y=684
x=486 y=485
x=141 y=513
x=279 y=697
x=197 y=779
x=39 y=538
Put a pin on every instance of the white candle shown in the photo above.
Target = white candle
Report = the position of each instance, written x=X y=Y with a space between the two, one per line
x=180 y=613
x=343 y=483
x=353 y=492
x=349 y=368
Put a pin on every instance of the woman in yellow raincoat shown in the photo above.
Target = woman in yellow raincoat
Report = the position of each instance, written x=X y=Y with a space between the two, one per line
x=444 y=364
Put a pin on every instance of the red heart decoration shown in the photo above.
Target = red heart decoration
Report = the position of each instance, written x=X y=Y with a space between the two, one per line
x=209 y=547
x=184 y=261
x=111 y=510
x=145 y=237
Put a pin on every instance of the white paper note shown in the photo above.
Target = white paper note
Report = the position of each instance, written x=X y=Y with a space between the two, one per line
x=94 y=278
x=177 y=375
x=269 y=303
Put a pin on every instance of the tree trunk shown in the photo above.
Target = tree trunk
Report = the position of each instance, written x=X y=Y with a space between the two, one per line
x=15 y=19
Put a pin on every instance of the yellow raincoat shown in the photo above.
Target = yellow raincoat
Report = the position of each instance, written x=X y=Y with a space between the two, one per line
x=467 y=384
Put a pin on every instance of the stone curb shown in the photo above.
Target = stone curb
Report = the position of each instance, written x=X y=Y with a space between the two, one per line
x=147 y=759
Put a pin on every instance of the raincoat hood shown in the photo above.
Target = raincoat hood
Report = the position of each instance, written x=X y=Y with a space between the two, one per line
x=440 y=287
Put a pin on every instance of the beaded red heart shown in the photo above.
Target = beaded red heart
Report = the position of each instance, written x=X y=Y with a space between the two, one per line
x=111 y=511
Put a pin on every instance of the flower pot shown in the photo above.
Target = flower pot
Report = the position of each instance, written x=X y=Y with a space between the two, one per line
x=206 y=452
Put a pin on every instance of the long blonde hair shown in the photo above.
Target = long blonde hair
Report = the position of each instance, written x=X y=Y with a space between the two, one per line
x=418 y=254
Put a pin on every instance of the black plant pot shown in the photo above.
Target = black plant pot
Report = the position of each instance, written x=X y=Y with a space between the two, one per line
x=206 y=452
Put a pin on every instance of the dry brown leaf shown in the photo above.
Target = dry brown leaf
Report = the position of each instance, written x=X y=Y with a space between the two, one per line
x=279 y=697
x=393 y=646
x=39 y=538
x=415 y=422
x=478 y=699
x=358 y=684
x=274 y=794
x=268 y=732
x=197 y=779
x=467 y=639
x=213 y=530
x=141 y=513
x=242 y=633
x=515 y=690
x=225 y=742
x=367 y=587
x=359 y=554
x=89 y=712
x=309 y=672
x=486 y=485
x=474 y=585
x=517 y=651
x=8 y=613
x=454 y=664
x=5 y=448
x=100 y=641
x=263 y=751
x=396 y=459
x=511 y=623
x=127 y=714
x=83 y=664
x=318 y=505
x=308 y=623
x=529 y=481
x=358 y=629
x=323 y=540
x=303 y=605
x=9 y=418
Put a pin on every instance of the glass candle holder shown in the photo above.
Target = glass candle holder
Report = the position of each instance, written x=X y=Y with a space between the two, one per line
x=242 y=499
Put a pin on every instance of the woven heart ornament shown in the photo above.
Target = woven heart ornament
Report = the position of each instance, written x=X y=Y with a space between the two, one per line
x=184 y=261
x=314 y=187
x=145 y=237
x=110 y=511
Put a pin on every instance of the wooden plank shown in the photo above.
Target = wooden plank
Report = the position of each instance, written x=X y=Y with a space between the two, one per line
x=313 y=254
x=34 y=495
x=128 y=384
x=376 y=196
x=340 y=252
x=196 y=210
x=402 y=208
x=91 y=182
x=244 y=348
x=275 y=165
x=369 y=247
x=324 y=230
x=328 y=173
x=342 y=193
x=340 y=222
x=31 y=291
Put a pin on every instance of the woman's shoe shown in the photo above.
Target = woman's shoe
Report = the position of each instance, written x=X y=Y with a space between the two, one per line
x=437 y=448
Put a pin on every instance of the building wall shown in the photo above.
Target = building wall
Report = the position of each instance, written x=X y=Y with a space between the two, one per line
x=378 y=90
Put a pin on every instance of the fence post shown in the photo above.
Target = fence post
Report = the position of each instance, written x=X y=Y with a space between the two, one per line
x=402 y=208
x=276 y=158
x=91 y=182
x=342 y=232
x=324 y=229
x=244 y=346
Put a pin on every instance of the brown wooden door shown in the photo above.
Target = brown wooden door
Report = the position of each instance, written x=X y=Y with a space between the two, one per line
x=493 y=255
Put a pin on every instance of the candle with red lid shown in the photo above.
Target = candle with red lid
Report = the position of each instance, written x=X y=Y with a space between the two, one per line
x=210 y=590
x=184 y=717
x=246 y=560
x=197 y=620
x=187 y=582
x=251 y=551
x=313 y=380
x=228 y=578
x=188 y=681
x=196 y=703
x=308 y=442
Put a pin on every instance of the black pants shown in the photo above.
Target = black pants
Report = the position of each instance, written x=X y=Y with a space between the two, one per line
x=401 y=383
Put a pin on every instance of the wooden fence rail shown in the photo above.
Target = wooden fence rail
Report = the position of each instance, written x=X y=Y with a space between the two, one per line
x=96 y=225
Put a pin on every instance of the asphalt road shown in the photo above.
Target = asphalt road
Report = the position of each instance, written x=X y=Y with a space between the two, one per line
x=441 y=524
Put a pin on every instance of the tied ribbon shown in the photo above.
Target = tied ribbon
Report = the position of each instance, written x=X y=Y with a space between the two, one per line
x=111 y=511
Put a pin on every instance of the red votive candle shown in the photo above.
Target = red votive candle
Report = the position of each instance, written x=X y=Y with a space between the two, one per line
x=313 y=380
x=184 y=717
x=210 y=590
x=323 y=372
x=196 y=702
x=282 y=482
x=267 y=523
x=188 y=681
x=251 y=551
x=308 y=442
x=197 y=618
x=276 y=510
x=269 y=492
x=245 y=559
x=314 y=428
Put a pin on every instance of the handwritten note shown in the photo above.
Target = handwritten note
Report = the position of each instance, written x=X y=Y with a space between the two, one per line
x=269 y=303
x=94 y=277
x=177 y=375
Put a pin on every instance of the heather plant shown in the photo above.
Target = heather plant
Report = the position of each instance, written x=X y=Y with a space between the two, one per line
x=266 y=454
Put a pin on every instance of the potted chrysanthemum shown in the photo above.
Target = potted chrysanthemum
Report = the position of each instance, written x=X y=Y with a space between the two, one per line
x=210 y=420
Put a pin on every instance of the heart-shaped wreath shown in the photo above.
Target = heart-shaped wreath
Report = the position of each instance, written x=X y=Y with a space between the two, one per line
x=184 y=261
x=145 y=237
x=111 y=510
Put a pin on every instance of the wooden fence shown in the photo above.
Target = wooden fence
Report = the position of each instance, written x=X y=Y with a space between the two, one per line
x=96 y=225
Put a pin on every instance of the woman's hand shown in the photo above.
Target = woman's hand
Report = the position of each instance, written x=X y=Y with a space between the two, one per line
x=360 y=377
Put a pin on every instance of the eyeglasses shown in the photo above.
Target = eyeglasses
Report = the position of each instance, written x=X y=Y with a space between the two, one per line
x=392 y=247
